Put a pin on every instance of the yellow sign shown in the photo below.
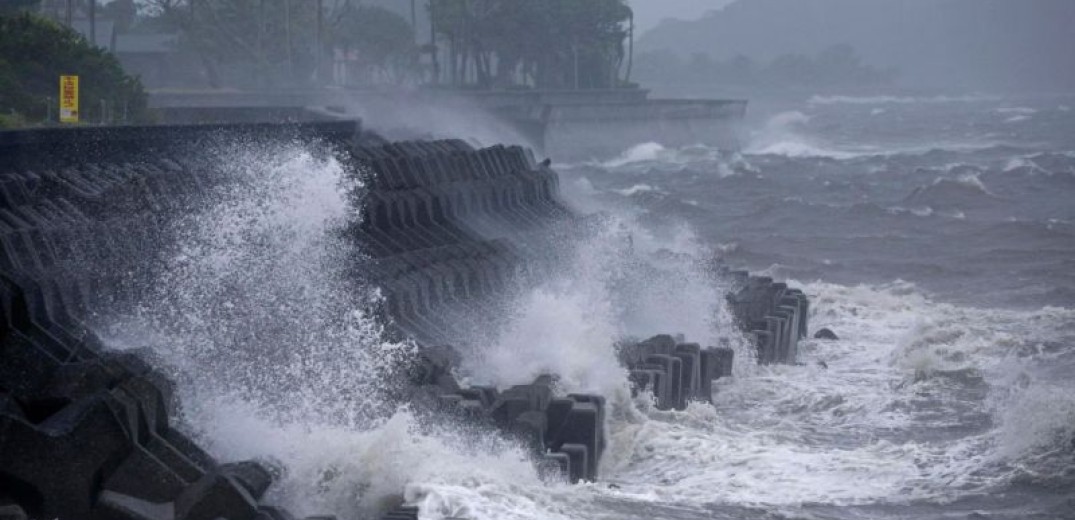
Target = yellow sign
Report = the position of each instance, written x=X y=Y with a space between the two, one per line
x=68 y=99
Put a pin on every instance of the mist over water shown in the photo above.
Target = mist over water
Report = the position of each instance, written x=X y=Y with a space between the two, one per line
x=947 y=394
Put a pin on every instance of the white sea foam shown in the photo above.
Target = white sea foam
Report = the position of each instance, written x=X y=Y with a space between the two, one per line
x=1018 y=163
x=797 y=149
x=643 y=152
x=636 y=189
x=654 y=157
x=973 y=180
x=1022 y=111
x=1027 y=164
x=921 y=211
x=623 y=282
x=846 y=434
x=356 y=473
x=784 y=134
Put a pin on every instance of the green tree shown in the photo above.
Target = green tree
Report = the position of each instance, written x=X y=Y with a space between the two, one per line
x=35 y=52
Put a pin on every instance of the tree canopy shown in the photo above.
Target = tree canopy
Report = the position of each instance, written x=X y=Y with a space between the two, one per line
x=35 y=52
x=541 y=43
x=274 y=43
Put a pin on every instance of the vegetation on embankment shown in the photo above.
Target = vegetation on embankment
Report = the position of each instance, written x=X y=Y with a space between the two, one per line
x=35 y=52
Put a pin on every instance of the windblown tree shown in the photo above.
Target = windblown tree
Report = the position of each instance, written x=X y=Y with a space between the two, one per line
x=540 y=43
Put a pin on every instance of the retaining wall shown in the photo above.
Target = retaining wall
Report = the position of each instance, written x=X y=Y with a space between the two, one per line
x=564 y=124
x=86 y=432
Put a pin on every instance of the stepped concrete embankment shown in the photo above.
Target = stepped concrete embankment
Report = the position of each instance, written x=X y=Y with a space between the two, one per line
x=87 y=432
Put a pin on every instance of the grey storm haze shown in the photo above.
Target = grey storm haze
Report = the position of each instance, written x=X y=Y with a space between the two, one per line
x=650 y=13
x=968 y=44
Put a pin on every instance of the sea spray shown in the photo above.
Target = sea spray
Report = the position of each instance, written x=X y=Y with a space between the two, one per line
x=621 y=281
x=260 y=313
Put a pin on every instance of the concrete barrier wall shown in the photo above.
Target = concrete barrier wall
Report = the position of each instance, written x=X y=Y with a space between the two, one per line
x=566 y=124
x=86 y=432
x=599 y=131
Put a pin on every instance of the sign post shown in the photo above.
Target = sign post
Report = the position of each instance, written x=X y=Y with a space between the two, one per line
x=68 y=99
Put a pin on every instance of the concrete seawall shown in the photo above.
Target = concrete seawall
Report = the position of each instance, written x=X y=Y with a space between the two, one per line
x=86 y=432
x=552 y=121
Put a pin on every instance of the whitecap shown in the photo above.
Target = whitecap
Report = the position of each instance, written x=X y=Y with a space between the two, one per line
x=784 y=134
x=643 y=152
x=1024 y=111
x=636 y=189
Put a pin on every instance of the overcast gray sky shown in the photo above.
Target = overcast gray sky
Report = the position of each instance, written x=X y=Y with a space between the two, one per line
x=648 y=13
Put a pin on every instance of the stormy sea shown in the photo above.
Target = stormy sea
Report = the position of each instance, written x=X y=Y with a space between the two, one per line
x=935 y=236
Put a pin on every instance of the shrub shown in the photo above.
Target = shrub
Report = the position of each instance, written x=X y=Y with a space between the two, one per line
x=35 y=52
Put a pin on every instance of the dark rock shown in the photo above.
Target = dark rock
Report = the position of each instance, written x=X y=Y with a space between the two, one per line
x=253 y=476
x=826 y=334
x=273 y=513
x=85 y=438
x=12 y=512
x=9 y=508
x=113 y=505
x=578 y=454
x=581 y=427
x=216 y=495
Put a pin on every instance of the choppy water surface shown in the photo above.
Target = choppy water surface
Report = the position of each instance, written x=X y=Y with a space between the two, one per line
x=935 y=236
